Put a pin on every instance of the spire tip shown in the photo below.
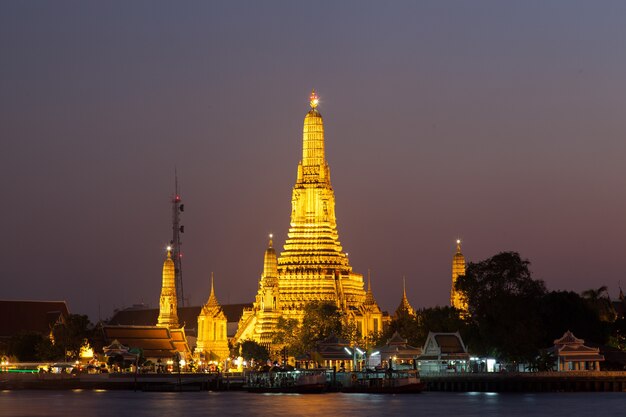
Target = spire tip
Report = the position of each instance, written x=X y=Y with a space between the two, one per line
x=314 y=99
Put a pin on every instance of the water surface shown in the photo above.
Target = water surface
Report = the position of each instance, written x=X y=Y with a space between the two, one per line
x=190 y=404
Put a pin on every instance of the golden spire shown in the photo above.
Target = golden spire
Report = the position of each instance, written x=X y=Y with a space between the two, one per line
x=314 y=100
x=404 y=287
x=369 y=296
x=405 y=306
x=313 y=140
x=168 y=315
x=457 y=299
x=270 y=263
x=169 y=278
x=313 y=239
x=212 y=302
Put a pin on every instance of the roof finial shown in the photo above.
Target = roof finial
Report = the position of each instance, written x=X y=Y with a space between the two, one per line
x=458 y=246
x=403 y=286
x=369 y=281
x=314 y=99
x=212 y=291
x=271 y=236
x=169 y=251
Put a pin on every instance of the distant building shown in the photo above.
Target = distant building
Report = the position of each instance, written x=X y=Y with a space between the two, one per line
x=444 y=352
x=572 y=354
x=154 y=341
x=30 y=316
x=397 y=351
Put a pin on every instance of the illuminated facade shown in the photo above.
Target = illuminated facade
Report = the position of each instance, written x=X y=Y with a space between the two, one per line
x=212 y=342
x=457 y=300
x=313 y=265
x=168 y=307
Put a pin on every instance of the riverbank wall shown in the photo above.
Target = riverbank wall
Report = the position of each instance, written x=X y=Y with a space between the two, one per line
x=601 y=381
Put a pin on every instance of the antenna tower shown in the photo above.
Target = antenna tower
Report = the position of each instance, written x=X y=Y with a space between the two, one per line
x=177 y=208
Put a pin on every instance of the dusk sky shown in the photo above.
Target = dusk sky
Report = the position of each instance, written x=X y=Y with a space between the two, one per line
x=499 y=122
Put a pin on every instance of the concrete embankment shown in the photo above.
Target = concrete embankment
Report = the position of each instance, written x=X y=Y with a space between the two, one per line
x=602 y=381
x=139 y=382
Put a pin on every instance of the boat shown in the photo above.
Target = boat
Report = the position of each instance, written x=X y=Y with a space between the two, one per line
x=297 y=381
x=384 y=382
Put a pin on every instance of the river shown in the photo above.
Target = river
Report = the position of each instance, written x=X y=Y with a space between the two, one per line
x=190 y=404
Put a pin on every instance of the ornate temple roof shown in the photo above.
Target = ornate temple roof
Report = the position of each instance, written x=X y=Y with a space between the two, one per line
x=404 y=307
x=212 y=301
x=397 y=347
x=446 y=346
x=369 y=296
x=156 y=342
x=568 y=338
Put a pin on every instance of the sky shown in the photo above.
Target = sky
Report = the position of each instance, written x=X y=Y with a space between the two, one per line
x=498 y=122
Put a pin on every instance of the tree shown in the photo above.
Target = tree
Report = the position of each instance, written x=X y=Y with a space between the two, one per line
x=440 y=319
x=599 y=301
x=321 y=320
x=70 y=335
x=407 y=326
x=415 y=328
x=288 y=334
x=249 y=349
x=566 y=310
x=503 y=302
x=24 y=346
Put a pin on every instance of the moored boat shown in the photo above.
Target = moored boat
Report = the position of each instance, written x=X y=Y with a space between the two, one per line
x=384 y=382
x=298 y=381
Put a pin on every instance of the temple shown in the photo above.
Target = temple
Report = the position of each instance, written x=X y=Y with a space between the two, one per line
x=164 y=340
x=313 y=265
x=457 y=300
x=212 y=342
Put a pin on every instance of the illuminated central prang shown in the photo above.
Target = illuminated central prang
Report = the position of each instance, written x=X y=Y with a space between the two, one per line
x=313 y=265
x=312 y=246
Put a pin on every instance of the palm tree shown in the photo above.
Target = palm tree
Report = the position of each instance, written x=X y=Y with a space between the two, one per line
x=599 y=301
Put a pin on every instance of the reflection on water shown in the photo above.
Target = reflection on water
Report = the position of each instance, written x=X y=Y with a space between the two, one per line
x=190 y=404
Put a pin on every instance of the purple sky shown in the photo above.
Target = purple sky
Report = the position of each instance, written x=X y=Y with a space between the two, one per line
x=499 y=122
